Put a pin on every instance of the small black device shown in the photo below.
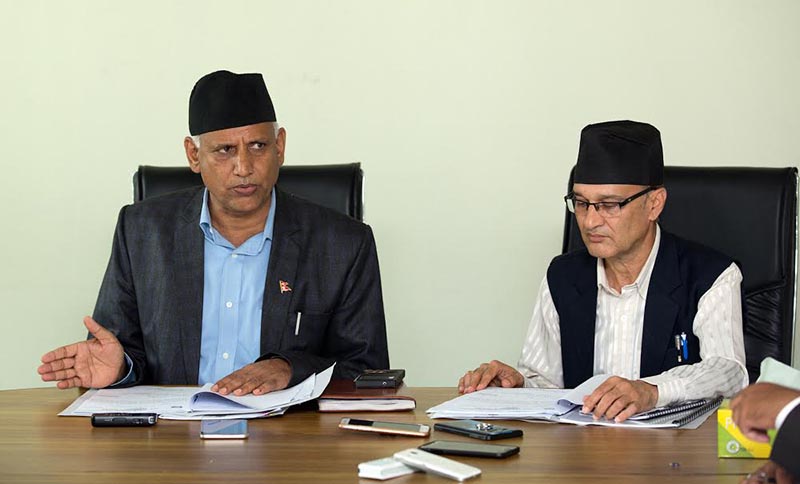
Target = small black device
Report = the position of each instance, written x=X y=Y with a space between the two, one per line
x=474 y=449
x=124 y=419
x=478 y=430
x=380 y=378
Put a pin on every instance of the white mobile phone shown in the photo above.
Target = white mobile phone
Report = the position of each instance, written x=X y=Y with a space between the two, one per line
x=395 y=428
x=223 y=429
x=435 y=464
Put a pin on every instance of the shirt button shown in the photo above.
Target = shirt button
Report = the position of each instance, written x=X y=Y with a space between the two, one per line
x=224 y=356
x=235 y=255
x=228 y=304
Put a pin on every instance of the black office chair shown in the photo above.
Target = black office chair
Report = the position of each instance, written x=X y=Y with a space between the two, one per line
x=750 y=214
x=339 y=187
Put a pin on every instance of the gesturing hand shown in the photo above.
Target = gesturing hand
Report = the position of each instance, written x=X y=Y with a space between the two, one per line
x=495 y=373
x=618 y=398
x=259 y=378
x=96 y=362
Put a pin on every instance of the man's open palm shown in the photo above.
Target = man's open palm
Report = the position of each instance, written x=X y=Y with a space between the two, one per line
x=94 y=363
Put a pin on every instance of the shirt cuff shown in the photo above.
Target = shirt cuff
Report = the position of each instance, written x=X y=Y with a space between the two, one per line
x=670 y=389
x=130 y=376
x=785 y=412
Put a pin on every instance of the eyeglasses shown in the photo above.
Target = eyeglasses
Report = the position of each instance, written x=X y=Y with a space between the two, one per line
x=605 y=209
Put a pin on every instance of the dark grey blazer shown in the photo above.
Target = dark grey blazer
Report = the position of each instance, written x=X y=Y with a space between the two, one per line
x=152 y=292
x=786 y=447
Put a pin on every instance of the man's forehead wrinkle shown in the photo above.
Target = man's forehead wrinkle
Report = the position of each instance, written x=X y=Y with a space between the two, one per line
x=602 y=196
x=620 y=192
x=239 y=138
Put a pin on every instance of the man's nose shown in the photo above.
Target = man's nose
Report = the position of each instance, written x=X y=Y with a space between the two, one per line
x=243 y=165
x=593 y=218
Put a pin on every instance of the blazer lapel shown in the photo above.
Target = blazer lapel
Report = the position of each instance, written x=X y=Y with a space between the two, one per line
x=281 y=274
x=661 y=310
x=189 y=251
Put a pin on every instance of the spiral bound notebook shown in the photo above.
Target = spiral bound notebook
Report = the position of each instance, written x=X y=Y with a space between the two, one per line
x=670 y=410
x=711 y=405
x=690 y=416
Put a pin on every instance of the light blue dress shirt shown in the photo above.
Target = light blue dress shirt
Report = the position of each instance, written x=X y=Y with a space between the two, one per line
x=233 y=293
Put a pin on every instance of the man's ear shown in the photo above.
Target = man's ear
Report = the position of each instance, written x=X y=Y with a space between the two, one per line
x=656 y=201
x=192 y=154
x=280 y=145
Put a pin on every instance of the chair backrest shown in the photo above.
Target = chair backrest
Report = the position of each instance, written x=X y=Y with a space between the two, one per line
x=749 y=214
x=339 y=187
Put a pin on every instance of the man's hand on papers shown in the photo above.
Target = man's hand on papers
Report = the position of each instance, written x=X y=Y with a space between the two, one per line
x=756 y=407
x=259 y=378
x=495 y=373
x=96 y=362
x=618 y=398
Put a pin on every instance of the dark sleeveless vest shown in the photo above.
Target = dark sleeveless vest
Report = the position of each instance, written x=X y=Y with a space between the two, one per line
x=682 y=273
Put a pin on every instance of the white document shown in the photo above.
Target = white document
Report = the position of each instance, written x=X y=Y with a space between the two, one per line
x=562 y=406
x=134 y=399
x=191 y=403
x=207 y=402
x=501 y=403
x=516 y=403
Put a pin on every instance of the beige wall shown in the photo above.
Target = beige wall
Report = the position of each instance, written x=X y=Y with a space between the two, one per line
x=464 y=114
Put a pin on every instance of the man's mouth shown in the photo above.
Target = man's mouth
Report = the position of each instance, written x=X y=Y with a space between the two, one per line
x=595 y=238
x=245 y=189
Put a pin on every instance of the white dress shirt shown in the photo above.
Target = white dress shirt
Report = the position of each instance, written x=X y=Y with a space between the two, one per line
x=618 y=338
x=785 y=412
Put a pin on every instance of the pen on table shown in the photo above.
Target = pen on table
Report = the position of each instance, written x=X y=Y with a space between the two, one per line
x=678 y=347
x=297 y=324
x=685 y=346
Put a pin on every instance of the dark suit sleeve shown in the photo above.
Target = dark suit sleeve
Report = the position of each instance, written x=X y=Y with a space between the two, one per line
x=786 y=448
x=116 y=307
x=355 y=337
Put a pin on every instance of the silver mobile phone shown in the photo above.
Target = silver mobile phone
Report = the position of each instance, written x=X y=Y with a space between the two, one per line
x=223 y=429
x=395 y=428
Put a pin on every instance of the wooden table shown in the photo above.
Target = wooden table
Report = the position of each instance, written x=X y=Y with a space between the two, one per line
x=306 y=446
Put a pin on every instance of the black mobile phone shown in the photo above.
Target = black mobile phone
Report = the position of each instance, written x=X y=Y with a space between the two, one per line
x=124 y=419
x=478 y=430
x=380 y=378
x=475 y=449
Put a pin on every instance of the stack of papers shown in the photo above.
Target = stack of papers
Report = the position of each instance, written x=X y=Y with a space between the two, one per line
x=562 y=406
x=193 y=403
x=512 y=403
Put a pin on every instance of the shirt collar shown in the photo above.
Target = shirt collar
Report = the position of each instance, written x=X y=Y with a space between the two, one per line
x=642 y=280
x=215 y=237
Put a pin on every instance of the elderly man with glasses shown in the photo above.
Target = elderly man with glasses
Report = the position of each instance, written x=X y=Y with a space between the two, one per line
x=661 y=314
